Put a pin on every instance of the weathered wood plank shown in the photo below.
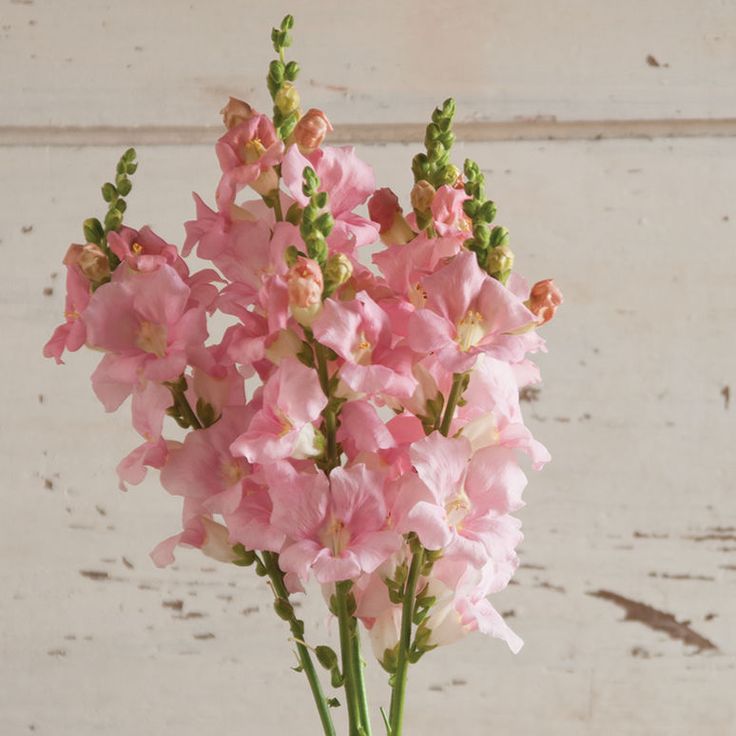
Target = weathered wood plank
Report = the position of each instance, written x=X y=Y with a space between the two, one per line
x=638 y=500
x=86 y=63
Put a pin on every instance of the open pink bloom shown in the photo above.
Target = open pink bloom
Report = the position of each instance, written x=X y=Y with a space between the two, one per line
x=463 y=502
x=142 y=321
x=247 y=154
x=447 y=212
x=362 y=430
x=292 y=401
x=143 y=250
x=334 y=526
x=467 y=313
x=359 y=332
x=462 y=606
x=72 y=334
x=492 y=414
x=203 y=468
x=348 y=181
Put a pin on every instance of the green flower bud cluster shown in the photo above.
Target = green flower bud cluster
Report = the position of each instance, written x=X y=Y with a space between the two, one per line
x=183 y=414
x=490 y=245
x=114 y=194
x=316 y=223
x=434 y=166
x=281 y=76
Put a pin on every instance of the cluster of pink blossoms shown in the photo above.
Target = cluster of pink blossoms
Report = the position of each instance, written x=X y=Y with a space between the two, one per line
x=353 y=418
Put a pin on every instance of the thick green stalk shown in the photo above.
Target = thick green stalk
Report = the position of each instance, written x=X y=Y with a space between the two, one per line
x=398 y=693
x=360 y=690
x=345 y=621
x=271 y=564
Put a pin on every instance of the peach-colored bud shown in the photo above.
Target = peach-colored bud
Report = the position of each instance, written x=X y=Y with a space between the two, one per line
x=305 y=285
x=92 y=262
x=544 y=299
x=311 y=130
x=422 y=195
x=235 y=112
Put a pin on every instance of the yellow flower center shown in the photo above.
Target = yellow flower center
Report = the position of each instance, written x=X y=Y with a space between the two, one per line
x=470 y=330
x=457 y=509
x=137 y=248
x=232 y=472
x=152 y=338
x=253 y=150
x=335 y=536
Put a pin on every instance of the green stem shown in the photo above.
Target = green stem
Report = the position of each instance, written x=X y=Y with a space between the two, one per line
x=328 y=414
x=270 y=561
x=277 y=206
x=398 y=693
x=360 y=681
x=345 y=621
x=452 y=399
x=185 y=409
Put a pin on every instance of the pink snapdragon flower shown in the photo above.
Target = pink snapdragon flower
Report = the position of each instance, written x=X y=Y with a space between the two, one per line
x=143 y=323
x=467 y=313
x=247 y=154
x=348 y=180
x=359 y=332
x=335 y=526
x=143 y=250
x=292 y=401
x=384 y=209
x=447 y=212
x=305 y=284
x=463 y=501
x=72 y=333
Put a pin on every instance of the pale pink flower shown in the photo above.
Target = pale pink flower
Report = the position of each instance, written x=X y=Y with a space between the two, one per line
x=463 y=501
x=305 y=284
x=72 y=333
x=292 y=401
x=348 y=181
x=247 y=154
x=467 y=313
x=447 y=212
x=359 y=332
x=335 y=526
x=236 y=112
x=362 y=430
x=142 y=321
x=143 y=250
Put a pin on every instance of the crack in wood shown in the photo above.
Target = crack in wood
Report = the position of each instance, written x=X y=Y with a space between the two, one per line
x=657 y=620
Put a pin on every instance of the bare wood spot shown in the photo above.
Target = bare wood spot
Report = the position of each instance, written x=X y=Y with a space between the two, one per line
x=529 y=566
x=652 y=61
x=726 y=393
x=204 y=637
x=710 y=616
x=650 y=535
x=26 y=229
x=190 y=615
x=40 y=398
x=511 y=613
x=458 y=682
x=640 y=652
x=100 y=510
x=56 y=652
x=97 y=575
x=248 y=610
x=175 y=605
x=435 y=688
x=656 y=620
x=127 y=563
x=48 y=484
x=529 y=393
x=562 y=420
x=713 y=536
x=48 y=291
x=548 y=586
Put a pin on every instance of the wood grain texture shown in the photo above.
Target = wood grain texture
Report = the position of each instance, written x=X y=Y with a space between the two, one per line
x=142 y=63
x=638 y=500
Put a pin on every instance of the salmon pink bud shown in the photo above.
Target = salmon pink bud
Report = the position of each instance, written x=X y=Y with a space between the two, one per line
x=311 y=130
x=544 y=299
x=305 y=285
x=384 y=209
x=235 y=112
x=92 y=262
x=422 y=195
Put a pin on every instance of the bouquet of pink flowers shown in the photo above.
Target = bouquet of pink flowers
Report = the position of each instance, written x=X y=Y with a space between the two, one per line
x=375 y=449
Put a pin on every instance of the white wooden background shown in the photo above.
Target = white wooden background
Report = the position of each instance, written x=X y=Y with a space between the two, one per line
x=635 y=518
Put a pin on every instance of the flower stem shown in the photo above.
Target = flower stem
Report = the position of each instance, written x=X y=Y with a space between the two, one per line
x=346 y=623
x=398 y=693
x=270 y=562
x=278 y=212
x=455 y=392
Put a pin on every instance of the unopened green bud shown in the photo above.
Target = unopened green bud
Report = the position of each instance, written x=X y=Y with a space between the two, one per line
x=499 y=236
x=276 y=71
x=292 y=71
x=109 y=192
x=326 y=656
x=283 y=609
x=337 y=271
x=500 y=260
x=287 y=23
x=290 y=255
x=113 y=220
